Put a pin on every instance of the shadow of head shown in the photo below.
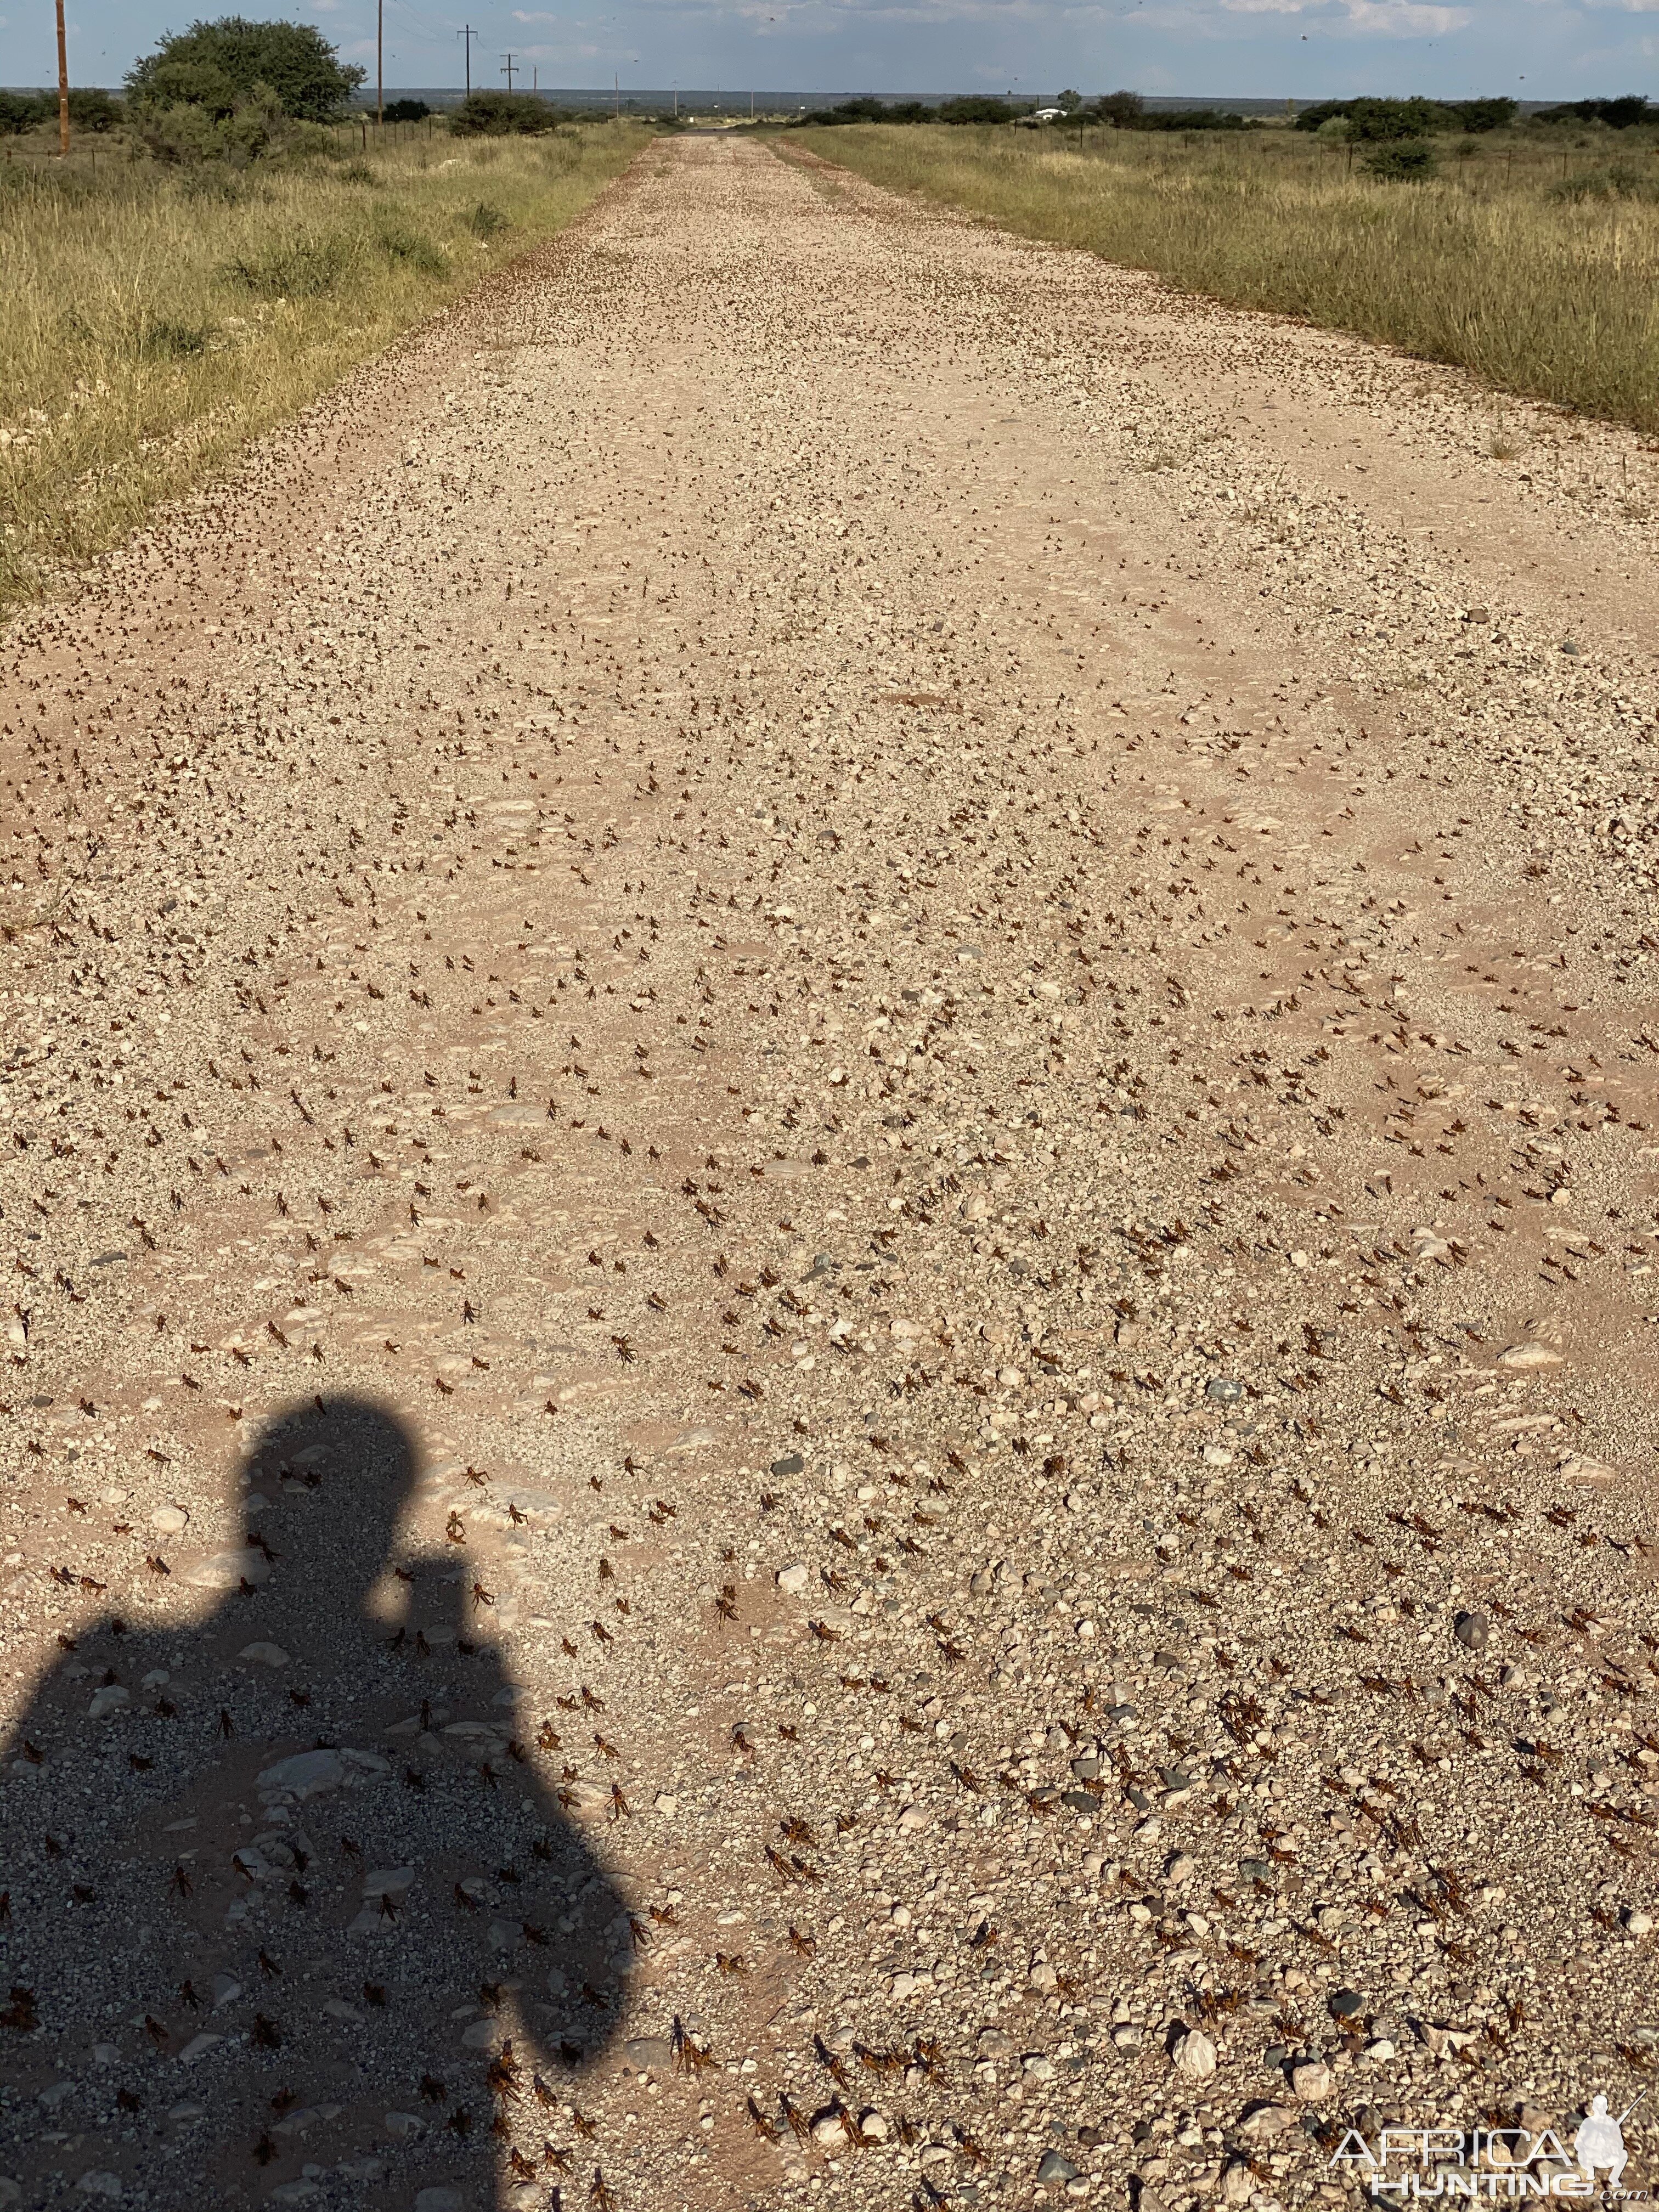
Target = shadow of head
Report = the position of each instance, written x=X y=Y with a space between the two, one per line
x=325 y=1492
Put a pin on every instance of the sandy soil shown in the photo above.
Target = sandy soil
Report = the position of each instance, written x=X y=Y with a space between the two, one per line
x=828 y=1195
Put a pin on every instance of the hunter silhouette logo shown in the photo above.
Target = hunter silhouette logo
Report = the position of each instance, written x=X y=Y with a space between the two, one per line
x=1600 y=2141
x=1493 y=2163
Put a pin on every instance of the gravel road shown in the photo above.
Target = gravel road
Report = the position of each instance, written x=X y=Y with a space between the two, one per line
x=828 y=1192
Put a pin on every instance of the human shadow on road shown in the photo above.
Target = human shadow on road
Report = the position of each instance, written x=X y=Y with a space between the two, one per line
x=293 y=1916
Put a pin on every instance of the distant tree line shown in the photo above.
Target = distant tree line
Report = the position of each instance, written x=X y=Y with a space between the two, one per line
x=1618 y=114
x=89 y=110
x=1376 y=122
x=1126 y=111
x=505 y=115
x=1379 y=121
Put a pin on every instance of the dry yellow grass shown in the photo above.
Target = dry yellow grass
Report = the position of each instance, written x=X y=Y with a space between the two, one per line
x=1487 y=265
x=153 y=320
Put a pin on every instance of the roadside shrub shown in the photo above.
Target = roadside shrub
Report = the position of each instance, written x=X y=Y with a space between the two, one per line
x=295 y=268
x=216 y=184
x=1188 y=118
x=486 y=221
x=1385 y=122
x=1621 y=114
x=91 y=109
x=1122 y=108
x=406 y=111
x=1403 y=160
x=399 y=241
x=22 y=111
x=189 y=131
x=502 y=115
x=1127 y=111
x=974 y=108
x=163 y=339
x=1378 y=121
x=1479 y=115
x=182 y=132
x=219 y=64
x=868 y=110
x=1617 y=181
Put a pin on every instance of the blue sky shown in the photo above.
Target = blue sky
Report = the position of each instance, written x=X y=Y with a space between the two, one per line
x=1536 y=49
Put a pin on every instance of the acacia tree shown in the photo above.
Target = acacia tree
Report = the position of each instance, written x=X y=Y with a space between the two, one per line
x=219 y=65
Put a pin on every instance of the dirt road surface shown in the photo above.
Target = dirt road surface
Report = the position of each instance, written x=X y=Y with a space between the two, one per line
x=829 y=1208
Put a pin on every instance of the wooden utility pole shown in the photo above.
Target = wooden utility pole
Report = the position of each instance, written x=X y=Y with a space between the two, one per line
x=379 y=63
x=62 y=83
x=469 y=35
x=508 y=67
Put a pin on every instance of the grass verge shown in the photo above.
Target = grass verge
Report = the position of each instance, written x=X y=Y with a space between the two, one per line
x=1536 y=268
x=152 y=320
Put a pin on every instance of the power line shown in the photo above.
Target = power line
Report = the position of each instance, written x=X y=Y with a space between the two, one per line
x=508 y=67
x=469 y=35
x=433 y=30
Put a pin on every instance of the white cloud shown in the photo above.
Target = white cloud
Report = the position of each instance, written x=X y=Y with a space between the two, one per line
x=1387 y=18
x=1405 y=19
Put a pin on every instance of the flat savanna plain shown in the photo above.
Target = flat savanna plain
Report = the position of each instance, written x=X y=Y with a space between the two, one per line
x=910 y=988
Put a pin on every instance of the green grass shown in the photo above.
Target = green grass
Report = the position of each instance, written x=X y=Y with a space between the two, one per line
x=1532 y=259
x=154 y=318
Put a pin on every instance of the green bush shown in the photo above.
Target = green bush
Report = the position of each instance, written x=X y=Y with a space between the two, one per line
x=1388 y=122
x=92 y=109
x=1127 y=111
x=1122 y=108
x=1485 y=115
x=1403 y=160
x=189 y=132
x=1620 y=114
x=400 y=242
x=486 y=221
x=295 y=268
x=974 y=108
x=1617 y=181
x=1188 y=118
x=219 y=64
x=502 y=115
x=217 y=186
x=165 y=340
x=186 y=82
x=1376 y=122
x=406 y=111
x=23 y=111
x=867 y=109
